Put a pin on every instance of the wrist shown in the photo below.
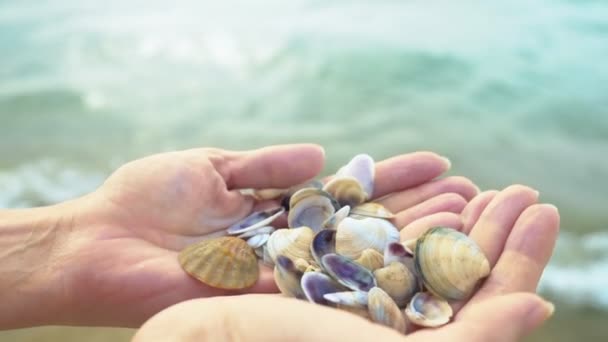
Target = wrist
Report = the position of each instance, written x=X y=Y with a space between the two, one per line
x=34 y=243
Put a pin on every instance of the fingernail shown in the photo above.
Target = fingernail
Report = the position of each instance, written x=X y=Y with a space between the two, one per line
x=550 y=307
x=448 y=163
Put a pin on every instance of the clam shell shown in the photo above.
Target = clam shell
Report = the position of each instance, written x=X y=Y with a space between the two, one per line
x=311 y=192
x=226 y=263
x=258 y=231
x=395 y=251
x=288 y=277
x=256 y=220
x=323 y=243
x=334 y=220
x=347 y=191
x=383 y=310
x=348 y=272
x=428 y=311
x=397 y=281
x=371 y=259
x=287 y=198
x=362 y=168
x=292 y=243
x=264 y=194
x=371 y=209
x=311 y=211
x=449 y=263
x=348 y=298
x=316 y=285
x=258 y=240
x=353 y=236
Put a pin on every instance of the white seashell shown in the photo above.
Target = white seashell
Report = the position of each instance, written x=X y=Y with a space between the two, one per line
x=292 y=243
x=311 y=211
x=261 y=230
x=371 y=209
x=347 y=191
x=397 y=281
x=353 y=236
x=383 y=310
x=258 y=240
x=255 y=221
x=428 y=311
x=361 y=167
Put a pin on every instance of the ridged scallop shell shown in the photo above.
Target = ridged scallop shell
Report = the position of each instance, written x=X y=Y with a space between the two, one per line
x=347 y=191
x=292 y=243
x=225 y=263
x=353 y=236
x=449 y=262
x=428 y=311
x=383 y=310
x=398 y=282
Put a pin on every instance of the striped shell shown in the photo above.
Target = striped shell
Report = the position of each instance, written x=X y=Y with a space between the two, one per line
x=449 y=262
x=225 y=263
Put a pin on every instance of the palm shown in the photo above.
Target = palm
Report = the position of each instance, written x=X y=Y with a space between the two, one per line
x=162 y=203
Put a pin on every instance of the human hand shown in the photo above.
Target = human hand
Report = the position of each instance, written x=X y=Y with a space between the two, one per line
x=113 y=257
x=516 y=234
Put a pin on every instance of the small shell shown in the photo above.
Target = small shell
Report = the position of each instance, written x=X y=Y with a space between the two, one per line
x=383 y=310
x=371 y=259
x=226 y=263
x=428 y=311
x=371 y=209
x=258 y=240
x=258 y=231
x=398 y=282
x=449 y=263
x=361 y=167
x=311 y=211
x=323 y=243
x=347 y=191
x=334 y=220
x=256 y=220
x=264 y=194
x=354 y=236
x=349 y=298
x=348 y=272
x=288 y=277
x=311 y=192
x=301 y=265
x=287 y=198
x=292 y=243
x=395 y=251
x=316 y=285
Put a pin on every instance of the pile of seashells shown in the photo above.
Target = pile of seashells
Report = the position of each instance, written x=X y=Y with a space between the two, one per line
x=341 y=250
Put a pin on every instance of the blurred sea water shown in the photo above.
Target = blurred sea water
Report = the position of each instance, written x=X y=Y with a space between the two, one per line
x=511 y=92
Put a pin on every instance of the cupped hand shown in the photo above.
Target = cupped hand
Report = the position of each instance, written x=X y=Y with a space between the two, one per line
x=516 y=234
x=121 y=266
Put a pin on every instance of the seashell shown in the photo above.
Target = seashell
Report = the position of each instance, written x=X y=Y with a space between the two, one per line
x=334 y=220
x=311 y=192
x=311 y=212
x=317 y=184
x=316 y=285
x=302 y=265
x=371 y=259
x=292 y=243
x=288 y=277
x=261 y=230
x=371 y=209
x=256 y=220
x=266 y=259
x=449 y=263
x=383 y=310
x=348 y=298
x=361 y=167
x=410 y=245
x=323 y=243
x=428 y=311
x=347 y=191
x=258 y=240
x=354 y=236
x=397 y=281
x=395 y=251
x=264 y=194
x=348 y=272
x=226 y=263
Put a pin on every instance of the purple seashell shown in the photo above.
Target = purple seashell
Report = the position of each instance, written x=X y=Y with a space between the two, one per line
x=256 y=220
x=348 y=272
x=289 y=277
x=395 y=251
x=316 y=285
x=323 y=243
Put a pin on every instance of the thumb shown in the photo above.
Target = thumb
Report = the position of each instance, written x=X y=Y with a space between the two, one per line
x=259 y=318
x=504 y=318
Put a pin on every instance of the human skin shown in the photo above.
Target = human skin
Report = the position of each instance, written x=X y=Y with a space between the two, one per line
x=110 y=257
x=514 y=232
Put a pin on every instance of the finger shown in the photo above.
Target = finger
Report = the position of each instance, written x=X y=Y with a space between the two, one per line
x=269 y=167
x=526 y=253
x=410 y=197
x=421 y=225
x=453 y=203
x=259 y=318
x=506 y=318
x=497 y=220
x=406 y=171
x=473 y=210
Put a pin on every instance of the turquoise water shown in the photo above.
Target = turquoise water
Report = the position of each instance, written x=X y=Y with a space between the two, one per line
x=512 y=93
